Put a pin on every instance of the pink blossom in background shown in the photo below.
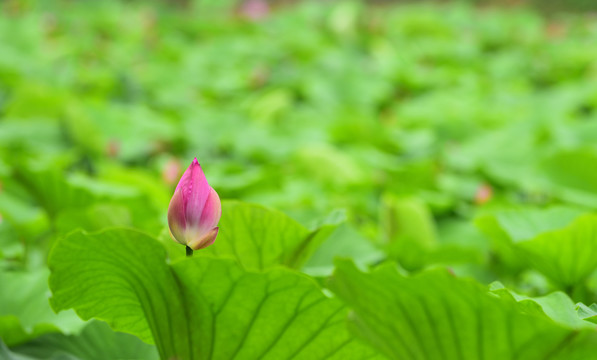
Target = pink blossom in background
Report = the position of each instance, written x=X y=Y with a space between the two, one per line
x=254 y=9
x=171 y=171
x=113 y=148
x=484 y=194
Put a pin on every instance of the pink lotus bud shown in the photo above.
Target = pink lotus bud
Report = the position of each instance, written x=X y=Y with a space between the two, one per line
x=194 y=210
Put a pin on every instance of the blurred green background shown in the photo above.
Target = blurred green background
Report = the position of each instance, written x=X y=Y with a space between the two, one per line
x=307 y=107
x=450 y=134
x=417 y=123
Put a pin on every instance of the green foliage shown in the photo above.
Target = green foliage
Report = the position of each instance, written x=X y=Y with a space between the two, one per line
x=558 y=242
x=24 y=309
x=588 y=313
x=436 y=316
x=409 y=229
x=509 y=227
x=439 y=147
x=260 y=238
x=95 y=342
x=198 y=308
x=567 y=256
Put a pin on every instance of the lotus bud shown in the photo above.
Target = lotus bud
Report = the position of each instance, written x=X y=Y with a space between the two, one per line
x=194 y=211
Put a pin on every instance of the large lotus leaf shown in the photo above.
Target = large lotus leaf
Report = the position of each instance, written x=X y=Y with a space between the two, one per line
x=557 y=305
x=435 y=315
x=198 y=308
x=260 y=238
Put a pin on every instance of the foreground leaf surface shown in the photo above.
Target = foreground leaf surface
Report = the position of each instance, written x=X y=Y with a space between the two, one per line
x=437 y=316
x=557 y=306
x=260 y=238
x=198 y=308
